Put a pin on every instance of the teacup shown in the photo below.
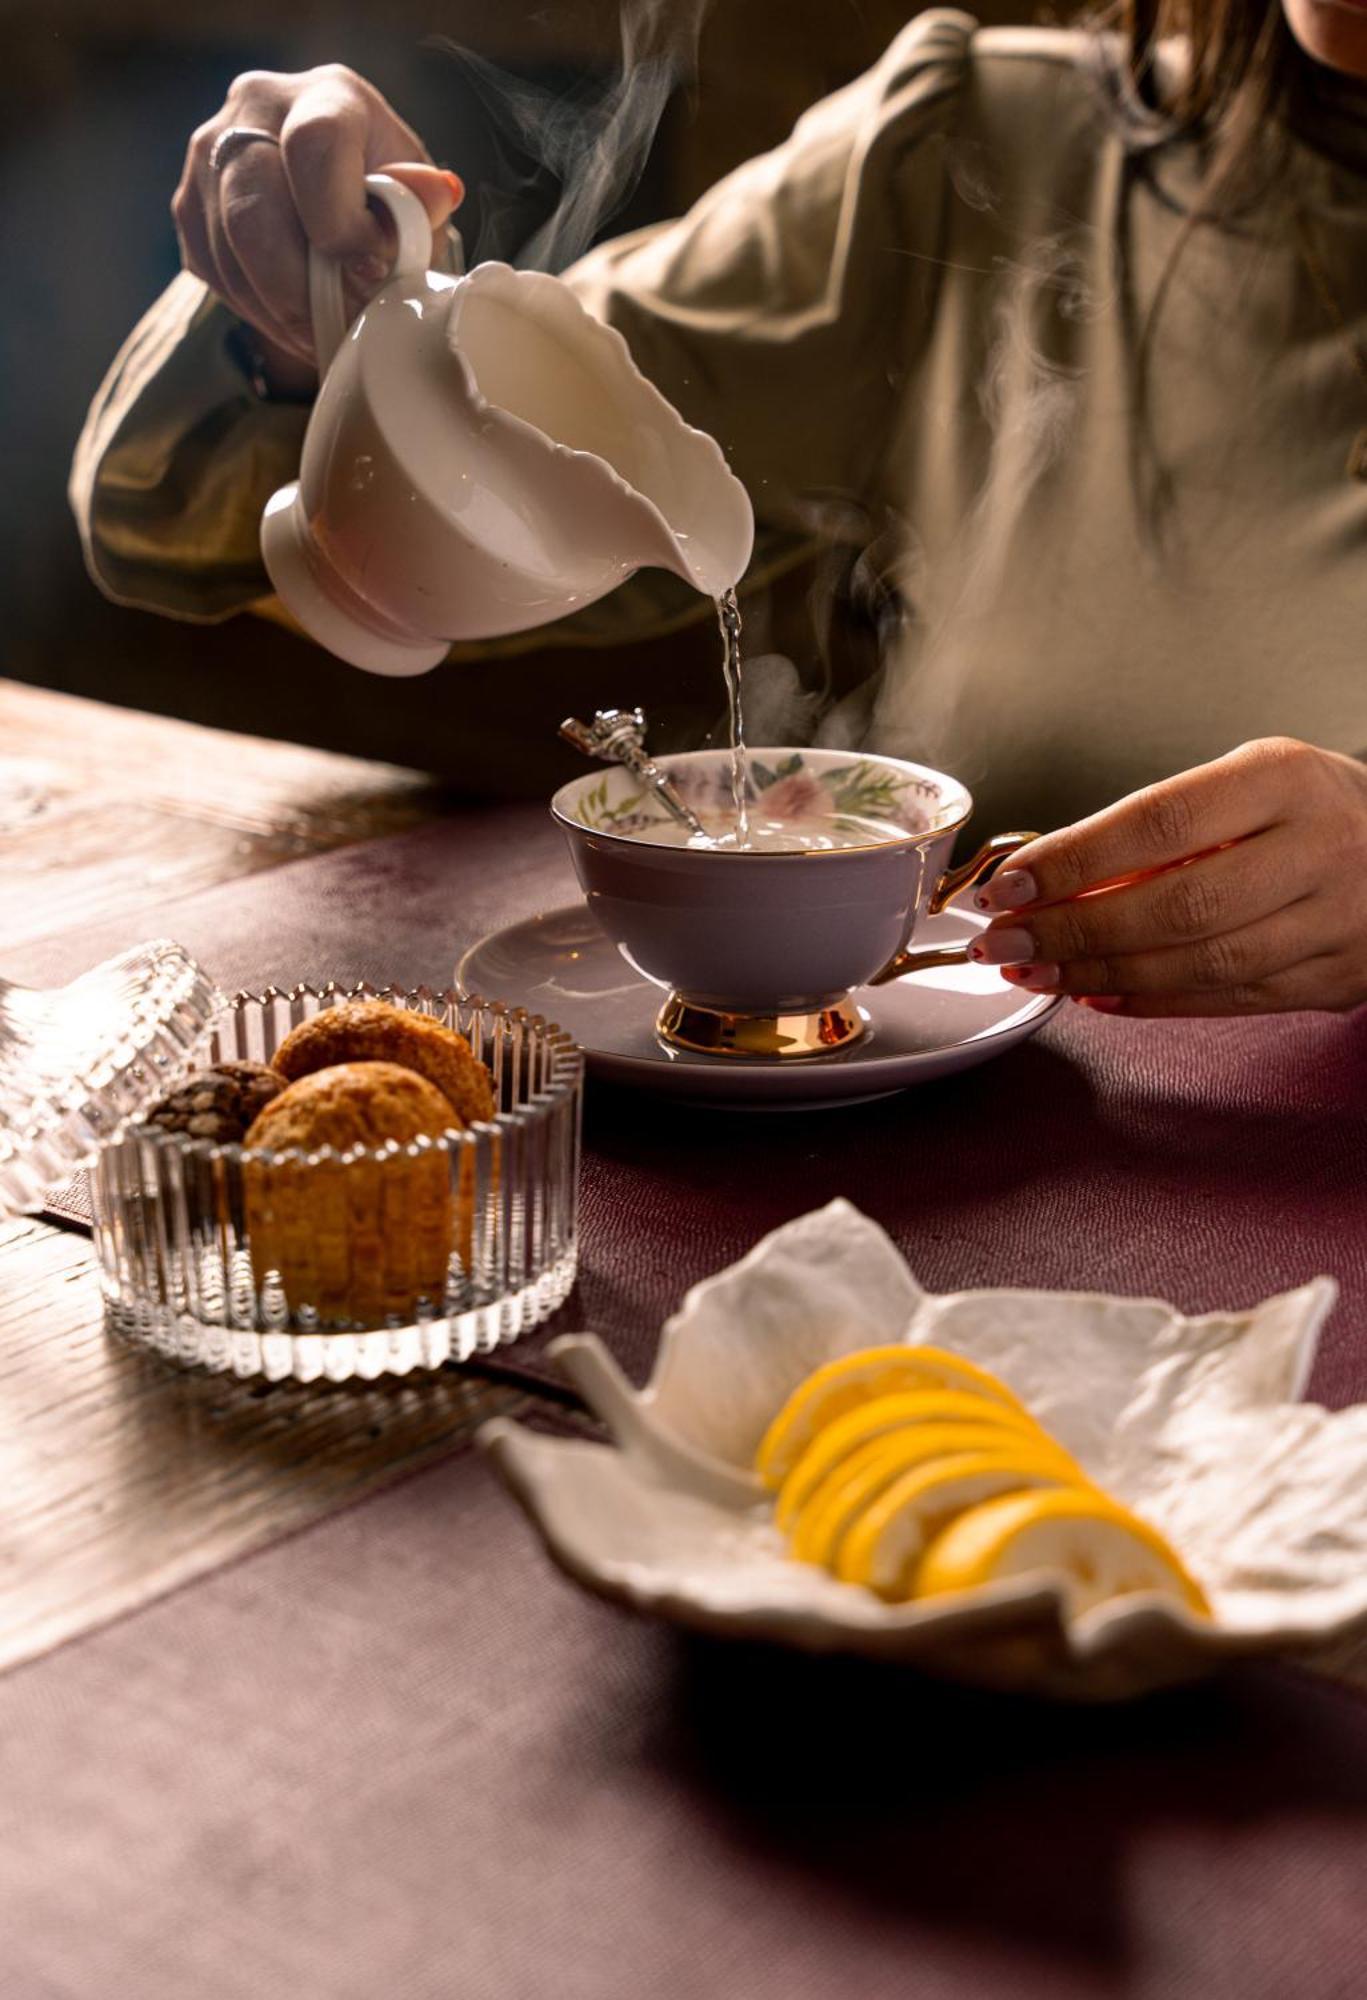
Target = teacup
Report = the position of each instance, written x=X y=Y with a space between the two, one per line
x=762 y=950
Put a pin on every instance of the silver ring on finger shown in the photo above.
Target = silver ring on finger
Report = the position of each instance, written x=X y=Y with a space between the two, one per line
x=229 y=144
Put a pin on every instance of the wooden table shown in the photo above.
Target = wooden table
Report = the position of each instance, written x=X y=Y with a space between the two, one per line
x=123 y=1477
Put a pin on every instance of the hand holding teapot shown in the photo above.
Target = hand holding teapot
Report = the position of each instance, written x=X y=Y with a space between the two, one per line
x=247 y=214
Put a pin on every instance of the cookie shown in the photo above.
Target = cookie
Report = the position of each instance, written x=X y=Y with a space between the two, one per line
x=352 y=1104
x=361 y=1241
x=375 y=1031
x=218 y=1104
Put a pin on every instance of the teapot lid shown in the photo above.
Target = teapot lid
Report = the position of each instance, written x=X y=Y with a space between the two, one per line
x=80 y=1061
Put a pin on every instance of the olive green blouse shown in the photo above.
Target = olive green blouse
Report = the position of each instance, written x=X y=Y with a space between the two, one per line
x=1106 y=538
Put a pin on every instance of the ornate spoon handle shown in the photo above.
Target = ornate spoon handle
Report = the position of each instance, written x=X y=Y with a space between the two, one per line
x=617 y=736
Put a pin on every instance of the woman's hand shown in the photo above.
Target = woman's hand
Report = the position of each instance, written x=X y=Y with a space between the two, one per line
x=1236 y=888
x=247 y=229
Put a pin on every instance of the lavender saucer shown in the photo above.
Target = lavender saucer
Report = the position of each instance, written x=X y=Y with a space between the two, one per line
x=925 y=1026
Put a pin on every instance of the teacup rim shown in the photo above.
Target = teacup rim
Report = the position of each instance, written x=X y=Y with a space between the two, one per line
x=667 y=759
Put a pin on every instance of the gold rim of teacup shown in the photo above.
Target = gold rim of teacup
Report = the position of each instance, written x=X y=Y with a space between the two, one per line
x=762 y=853
x=939 y=822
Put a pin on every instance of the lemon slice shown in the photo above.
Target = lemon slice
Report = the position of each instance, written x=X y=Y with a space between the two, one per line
x=1099 y=1547
x=859 y=1378
x=844 y=1493
x=883 y=1547
x=879 y=1416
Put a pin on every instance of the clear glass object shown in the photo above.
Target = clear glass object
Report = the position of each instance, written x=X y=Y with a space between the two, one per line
x=77 y=1061
x=377 y=1261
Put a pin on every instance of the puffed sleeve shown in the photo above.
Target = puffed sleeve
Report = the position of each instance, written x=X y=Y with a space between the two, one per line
x=774 y=315
x=176 y=460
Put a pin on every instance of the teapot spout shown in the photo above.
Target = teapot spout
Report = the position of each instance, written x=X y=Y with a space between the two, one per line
x=709 y=528
x=537 y=356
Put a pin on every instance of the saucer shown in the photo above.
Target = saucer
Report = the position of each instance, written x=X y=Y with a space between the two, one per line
x=920 y=1028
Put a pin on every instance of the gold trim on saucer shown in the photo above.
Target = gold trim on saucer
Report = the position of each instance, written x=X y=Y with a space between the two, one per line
x=711 y=1031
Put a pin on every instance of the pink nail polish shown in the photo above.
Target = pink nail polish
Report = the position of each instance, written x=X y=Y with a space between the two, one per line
x=1101 y=1003
x=1003 y=947
x=1009 y=889
x=1034 y=978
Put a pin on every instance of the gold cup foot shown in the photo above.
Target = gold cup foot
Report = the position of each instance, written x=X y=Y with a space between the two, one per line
x=710 y=1031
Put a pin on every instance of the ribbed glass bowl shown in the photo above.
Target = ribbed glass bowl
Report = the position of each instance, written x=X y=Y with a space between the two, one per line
x=327 y=1265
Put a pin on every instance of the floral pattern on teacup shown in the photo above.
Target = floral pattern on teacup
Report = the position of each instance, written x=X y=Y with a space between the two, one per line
x=602 y=815
x=791 y=791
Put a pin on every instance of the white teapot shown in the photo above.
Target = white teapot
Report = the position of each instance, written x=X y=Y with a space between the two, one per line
x=483 y=457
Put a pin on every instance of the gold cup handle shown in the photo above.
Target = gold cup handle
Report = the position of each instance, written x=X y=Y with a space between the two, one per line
x=923 y=958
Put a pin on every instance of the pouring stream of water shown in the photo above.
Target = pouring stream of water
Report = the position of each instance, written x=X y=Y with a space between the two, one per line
x=728 y=614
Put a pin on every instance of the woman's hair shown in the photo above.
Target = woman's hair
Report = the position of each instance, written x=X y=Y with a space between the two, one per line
x=1240 y=64
x=1210 y=73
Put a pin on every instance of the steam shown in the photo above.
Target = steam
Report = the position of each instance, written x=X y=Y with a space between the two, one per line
x=778 y=708
x=1029 y=398
x=854 y=615
x=922 y=603
x=592 y=139
x=1028 y=401
x=924 y=599
x=972 y=176
x=925 y=608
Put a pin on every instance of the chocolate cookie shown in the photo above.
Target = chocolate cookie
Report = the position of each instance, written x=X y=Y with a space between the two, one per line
x=375 y=1031
x=219 y=1103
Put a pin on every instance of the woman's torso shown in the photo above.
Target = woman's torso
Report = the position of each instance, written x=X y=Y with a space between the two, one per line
x=1117 y=565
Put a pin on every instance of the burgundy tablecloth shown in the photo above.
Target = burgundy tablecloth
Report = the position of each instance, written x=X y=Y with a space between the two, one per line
x=398 y=1756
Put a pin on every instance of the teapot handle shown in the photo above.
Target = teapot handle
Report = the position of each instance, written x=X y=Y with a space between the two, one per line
x=327 y=303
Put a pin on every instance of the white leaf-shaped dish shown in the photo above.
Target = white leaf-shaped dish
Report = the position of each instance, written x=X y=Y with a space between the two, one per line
x=1193 y=1421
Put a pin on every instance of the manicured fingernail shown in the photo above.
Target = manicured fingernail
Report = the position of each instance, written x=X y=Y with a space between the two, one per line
x=456 y=185
x=1034 y=978
x=1100 y=1003
x=1009 y=889
x=368 y=270
x=1004 y=947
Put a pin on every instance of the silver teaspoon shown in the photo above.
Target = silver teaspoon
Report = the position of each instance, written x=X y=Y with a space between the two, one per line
x=617 y=736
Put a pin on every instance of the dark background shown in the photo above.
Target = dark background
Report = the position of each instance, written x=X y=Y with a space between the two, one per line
x=96 y=104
